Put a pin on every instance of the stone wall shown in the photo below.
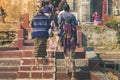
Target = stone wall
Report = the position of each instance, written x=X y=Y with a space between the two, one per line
x=16 y=8
x=99 y=37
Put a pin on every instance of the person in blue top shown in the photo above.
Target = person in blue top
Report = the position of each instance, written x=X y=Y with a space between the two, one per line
x=68 y=37
x=40 y=24
x=46 y=9
x=63 y=18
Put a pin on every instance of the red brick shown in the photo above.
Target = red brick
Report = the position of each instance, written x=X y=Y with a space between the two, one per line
x=51 y=61
x=31 y=61
x=20 y=43
x=26 y=20
x=48 y=75
x=34 y=68
x=28 y=61
x=93 y=77
x=13 y=69
x=23 y=75
x=40 y=61
x=25 y=68
x=80 y=49
x=27 y=54
x=9 y=62
x=8 y=75
x=51 y=54
x=27 y=47
x=36 y=75
x=10 y=54
x=45 y=68
x=20 y=33
x=62 y=76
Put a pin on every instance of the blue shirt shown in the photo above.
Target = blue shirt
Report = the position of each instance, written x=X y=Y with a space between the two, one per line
x=64 y=15
x=40 y=25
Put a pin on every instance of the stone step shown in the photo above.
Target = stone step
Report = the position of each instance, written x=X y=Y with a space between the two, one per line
x=7 y=76
x=28 y=43
x=7 y=79
x=35 y=79
x=8 y=68
x=9 y=62
x=63 y=69
x=80 y=65
x=41 y=61
x=37 y=68
x=31 y=42
x=110 y=56
x=78 y=76
x=27 y=47
x=78 y=62
x=8 y=48
x=10 y=54
x=29 y=69
x=78 y=55
x=36 y=75
x=96 y=75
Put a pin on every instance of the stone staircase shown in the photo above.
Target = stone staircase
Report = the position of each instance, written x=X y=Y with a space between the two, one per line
x=30 y=70
x=81 y=68
x=20 y=65
x=9 y=64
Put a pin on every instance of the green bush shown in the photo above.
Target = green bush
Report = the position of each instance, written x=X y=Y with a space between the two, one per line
x=112 y=23
x=118 y=37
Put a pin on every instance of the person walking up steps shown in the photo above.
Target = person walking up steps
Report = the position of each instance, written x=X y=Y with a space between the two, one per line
x=40 y=24
x=68 y=37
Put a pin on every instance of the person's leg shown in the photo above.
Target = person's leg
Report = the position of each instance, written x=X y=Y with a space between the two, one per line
x=42 y=47
x=72 y=52
x=36 y=47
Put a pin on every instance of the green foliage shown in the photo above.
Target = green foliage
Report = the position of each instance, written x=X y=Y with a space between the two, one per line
x=97 y=28
x=0 y=42
x=112 y=23
x=118 y=37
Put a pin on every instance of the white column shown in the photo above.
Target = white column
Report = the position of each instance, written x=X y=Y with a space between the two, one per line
x=107 y=6
x=85 y=11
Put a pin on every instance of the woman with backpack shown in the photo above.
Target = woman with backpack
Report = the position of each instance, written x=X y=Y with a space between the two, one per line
x=67 y=23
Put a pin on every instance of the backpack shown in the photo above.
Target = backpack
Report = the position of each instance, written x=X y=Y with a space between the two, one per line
x=65 y=20
x=68 y=37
